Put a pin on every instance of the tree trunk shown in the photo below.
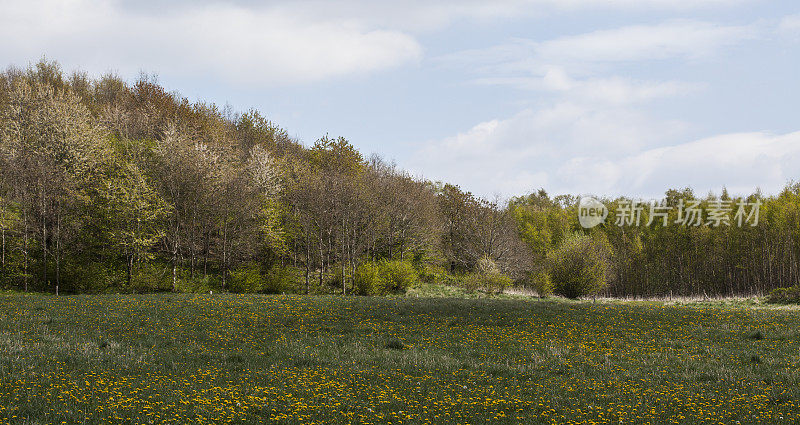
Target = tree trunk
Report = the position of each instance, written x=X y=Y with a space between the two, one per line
x=44 y=251
x=25 y=252
x=205 y=254
x=391 y=241
x=308 y=263
x=225 y=254
x=402 y=243
x=322 y=265
x=130 y=269
x=175 y=258
x=342 y=261
x=57 y=253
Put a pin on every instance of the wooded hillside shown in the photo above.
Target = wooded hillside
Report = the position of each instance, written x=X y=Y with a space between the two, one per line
x=106 y=186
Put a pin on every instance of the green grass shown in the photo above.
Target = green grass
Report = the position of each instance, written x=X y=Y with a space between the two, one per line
x=327 y=359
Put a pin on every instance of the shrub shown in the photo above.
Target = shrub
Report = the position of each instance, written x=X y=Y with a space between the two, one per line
x=755 y=335
x=495 y=283
x=789 y=295
x=248 y=278
x=580 y=266
x=487 y=276
x=395 y=344
x=193 y=283
x=397 y=276
x=432 y=274
x=541 y=282
x=491 y=283
x=365 y=279
x=151 y=277
x=487 y=266
x=197 y=284
x=245 y=278
x=282 y=279
x=470 y=282
x=90 y=277
x=384 y=277
x=334 y=280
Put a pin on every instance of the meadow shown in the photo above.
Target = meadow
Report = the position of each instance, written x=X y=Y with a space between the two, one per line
x=181 y=358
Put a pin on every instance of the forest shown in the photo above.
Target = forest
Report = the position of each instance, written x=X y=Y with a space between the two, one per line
x=107 y=186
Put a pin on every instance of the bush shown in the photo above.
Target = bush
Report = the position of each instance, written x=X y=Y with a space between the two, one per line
x=245 y=278
x=470 y=282
x=495 y=283
x=542 y=283
x=197 y=284
x=397 y=276
x=151 y=277
x=92 y=277
x=789 y=295
x=487 y=276
x=433 y=274
x=395 y=344
x=486 y=266
x=282 y=279
x=157 y=277
x=365 y=279
x=580 y=266
x=334 y=280
x=384 y=277
x=249 y=279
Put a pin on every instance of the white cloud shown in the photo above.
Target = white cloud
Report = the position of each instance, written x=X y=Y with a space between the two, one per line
x=593 y=140
x=573 y=65
x=635 y=43
x=427 y=15
x=614 y=90
x=576 y=149
x=435 y=14
x=741 y=162
x=667 y=40
x=263 y=46
x=619 y=90
x=672 y=39
x=521 y=153
x=267 y=43
x=790 y=26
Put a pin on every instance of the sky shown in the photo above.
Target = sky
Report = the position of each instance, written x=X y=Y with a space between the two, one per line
x=502 y=97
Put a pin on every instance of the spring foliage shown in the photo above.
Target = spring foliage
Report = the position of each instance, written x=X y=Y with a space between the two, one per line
x=111 y=186
x=580 y=266
x=384 y=277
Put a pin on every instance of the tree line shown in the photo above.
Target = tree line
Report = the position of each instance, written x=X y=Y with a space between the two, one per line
x=667 y=255
x=110 y=186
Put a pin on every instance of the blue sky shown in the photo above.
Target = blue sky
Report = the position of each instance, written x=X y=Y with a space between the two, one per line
x=604 y=97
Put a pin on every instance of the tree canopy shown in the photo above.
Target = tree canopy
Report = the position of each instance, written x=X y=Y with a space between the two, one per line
x=106 y=185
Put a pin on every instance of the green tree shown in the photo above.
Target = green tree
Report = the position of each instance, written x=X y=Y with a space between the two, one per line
x=134 y=212
x=50 y=149
x=580 y=266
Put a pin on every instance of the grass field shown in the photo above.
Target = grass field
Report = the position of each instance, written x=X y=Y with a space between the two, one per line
x=293 y=359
